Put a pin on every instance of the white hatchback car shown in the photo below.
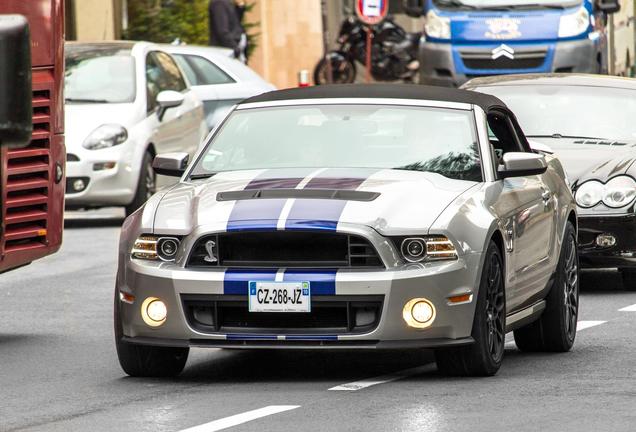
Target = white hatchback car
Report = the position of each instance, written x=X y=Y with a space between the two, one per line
x=217 y=79
x=125 y=103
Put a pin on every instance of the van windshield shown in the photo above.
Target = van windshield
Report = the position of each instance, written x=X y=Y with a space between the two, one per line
x=507 y=4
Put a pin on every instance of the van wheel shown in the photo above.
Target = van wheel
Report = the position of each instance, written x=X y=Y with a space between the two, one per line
x=555 y=330
x=146 y=185
x=146 y=361
x=484 y=357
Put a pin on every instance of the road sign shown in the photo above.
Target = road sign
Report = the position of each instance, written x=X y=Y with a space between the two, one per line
x=372 y=12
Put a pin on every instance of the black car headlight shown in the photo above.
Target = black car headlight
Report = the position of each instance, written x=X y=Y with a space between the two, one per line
x=152 y=247
x=616 y=193
x=429 y=248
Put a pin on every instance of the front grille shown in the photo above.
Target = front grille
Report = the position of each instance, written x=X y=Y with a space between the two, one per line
x=528 y=59
x=26 y=176
x=329 y=314
x=295 y=249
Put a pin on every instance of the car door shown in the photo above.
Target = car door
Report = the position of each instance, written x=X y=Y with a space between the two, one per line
x=180 y=130
x=527 y=208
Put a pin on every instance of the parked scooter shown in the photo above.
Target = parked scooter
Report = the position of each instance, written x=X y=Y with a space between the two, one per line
x=393 y=53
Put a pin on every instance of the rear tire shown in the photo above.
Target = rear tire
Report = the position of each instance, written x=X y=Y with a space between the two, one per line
x=484 y=356
x=555 y=330
x=146 y=185
x=629 y=279
x=146 y=361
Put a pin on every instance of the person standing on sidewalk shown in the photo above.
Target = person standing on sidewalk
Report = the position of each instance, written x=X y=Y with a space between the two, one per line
x=226 y=30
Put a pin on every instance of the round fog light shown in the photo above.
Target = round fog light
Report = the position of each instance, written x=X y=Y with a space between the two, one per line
x=605 y=240
x=154 y=311
x=79 y=185
x=419 y=313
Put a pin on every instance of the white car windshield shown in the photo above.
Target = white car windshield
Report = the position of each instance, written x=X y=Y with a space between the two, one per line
x=346 y=136
x=507 y=4
x=570 y=111
x=99 y=75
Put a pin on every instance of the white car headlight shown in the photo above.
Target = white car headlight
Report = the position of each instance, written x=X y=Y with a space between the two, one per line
x=436 y=26
x=619 y=192
x=105 y=136
x=574 y=24
x=590 y=194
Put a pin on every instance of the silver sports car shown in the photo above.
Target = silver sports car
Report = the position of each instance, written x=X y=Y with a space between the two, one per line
x=353 y=217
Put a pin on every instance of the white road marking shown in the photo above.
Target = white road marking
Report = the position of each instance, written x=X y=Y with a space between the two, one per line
x=631 y=308
x=238 y=419
x=582 y=325
x=362 y=384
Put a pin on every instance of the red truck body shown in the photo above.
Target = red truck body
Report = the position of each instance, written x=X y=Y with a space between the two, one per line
x=32 y=178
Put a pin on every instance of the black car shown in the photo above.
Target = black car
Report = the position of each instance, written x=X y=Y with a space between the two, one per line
x=589 y=122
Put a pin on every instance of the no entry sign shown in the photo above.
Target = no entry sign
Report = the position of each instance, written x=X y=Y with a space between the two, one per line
x=372 y=12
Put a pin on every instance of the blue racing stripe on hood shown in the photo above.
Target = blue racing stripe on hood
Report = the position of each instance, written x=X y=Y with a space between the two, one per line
x=263 y=214
x=324 y=214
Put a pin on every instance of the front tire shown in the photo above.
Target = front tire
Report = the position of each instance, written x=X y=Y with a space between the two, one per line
x=555 y=330
x=343 y=70
x=484 y=356
x=146 y=361
x=146 y=185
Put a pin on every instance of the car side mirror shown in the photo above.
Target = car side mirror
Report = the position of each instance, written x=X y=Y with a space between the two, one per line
x=16 y=122
x=171 y=164
x=608 y=6
x=168 y=99
x=413 y=8
x=520 y=164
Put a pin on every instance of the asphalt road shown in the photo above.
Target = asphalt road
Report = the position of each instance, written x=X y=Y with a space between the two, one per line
x=59 y=372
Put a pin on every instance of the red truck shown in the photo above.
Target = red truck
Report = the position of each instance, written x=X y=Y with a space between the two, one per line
x=31 y=167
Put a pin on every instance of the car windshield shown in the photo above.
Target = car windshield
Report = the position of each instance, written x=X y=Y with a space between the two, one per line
x=346 y=136
x=571 y=111
x=99 y=75
x=506 y=4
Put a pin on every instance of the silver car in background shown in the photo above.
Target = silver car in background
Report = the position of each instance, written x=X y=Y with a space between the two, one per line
x=125 y=103
x=217 y=79
x=358 y=217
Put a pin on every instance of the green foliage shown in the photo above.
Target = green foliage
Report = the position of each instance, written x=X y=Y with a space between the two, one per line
x=163 y=21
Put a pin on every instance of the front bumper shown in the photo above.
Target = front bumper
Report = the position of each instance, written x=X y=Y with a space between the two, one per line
x=443 y=63
x=621 y=255
x=174 y=285
x=104 y=187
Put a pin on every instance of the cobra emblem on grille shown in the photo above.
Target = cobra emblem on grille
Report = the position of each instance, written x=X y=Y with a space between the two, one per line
x=209 y=248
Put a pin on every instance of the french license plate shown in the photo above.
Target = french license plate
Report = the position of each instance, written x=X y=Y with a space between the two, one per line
x=279 y=296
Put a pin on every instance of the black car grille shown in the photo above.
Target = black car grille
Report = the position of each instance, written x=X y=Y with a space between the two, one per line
x=291 y=249
x=329 y=314
x=528 y=59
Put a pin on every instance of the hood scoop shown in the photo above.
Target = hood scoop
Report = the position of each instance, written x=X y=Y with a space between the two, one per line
x=333 y=194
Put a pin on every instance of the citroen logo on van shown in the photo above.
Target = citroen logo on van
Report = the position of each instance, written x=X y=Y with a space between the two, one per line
x=503 y=50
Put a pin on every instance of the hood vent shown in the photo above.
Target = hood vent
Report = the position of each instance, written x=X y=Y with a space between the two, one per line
x=334 y=194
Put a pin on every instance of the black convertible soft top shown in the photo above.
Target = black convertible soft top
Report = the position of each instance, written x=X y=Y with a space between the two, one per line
x=382 y=91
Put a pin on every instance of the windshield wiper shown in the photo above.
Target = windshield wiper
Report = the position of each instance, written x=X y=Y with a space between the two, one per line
x=537 y=6
x=202 y=176
x=559 y=136
x=79 y=100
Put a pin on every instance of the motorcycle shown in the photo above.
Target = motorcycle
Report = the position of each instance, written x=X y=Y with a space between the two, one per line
x=393 y=53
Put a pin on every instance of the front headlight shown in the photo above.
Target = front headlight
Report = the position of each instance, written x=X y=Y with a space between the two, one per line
x=436 y=26
x=616 y=193
x=619 y=192
x=589 y=194
x=150 y=247
x=574 y=24
x=105 y=136
x=419 y=249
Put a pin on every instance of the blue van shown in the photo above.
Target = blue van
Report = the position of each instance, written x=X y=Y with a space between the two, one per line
x=464 y=39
